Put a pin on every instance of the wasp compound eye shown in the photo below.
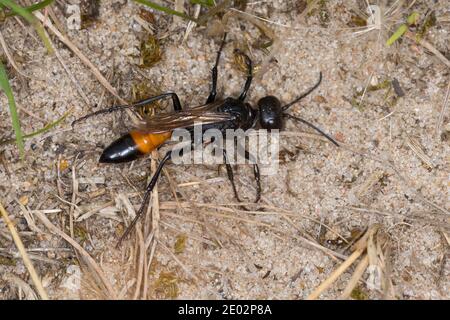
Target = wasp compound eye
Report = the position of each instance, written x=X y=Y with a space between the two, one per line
x=270 y=113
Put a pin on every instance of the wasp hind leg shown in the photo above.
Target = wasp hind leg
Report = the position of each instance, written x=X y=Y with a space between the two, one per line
x=148 y=192
x=256 y=174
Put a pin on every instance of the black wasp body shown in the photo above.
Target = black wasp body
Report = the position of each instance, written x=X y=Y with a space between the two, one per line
x=230 y=113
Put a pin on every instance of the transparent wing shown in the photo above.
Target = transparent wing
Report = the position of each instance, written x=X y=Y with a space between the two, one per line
x=206 y=114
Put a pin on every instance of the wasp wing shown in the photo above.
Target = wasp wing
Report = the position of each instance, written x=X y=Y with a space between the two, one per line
x=164 y=122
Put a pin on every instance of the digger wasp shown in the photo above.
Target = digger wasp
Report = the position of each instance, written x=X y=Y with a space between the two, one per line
x=229 y=113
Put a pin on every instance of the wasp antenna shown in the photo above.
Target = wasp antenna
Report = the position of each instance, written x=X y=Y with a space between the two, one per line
x=103 y=111
x=312 y=126
x=284 y=108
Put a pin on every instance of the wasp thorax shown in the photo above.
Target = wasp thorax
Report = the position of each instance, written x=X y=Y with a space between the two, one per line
x=270 y=113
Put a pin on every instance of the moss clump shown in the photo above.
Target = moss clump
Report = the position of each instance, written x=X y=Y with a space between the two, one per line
x=359 y=294
x=144 y=90
x=5 y=261
x=150 y=52
x=180 y=244
x=90 y=11
x=166 y=286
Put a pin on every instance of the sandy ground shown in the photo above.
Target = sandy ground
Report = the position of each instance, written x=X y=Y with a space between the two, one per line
x=209 y=252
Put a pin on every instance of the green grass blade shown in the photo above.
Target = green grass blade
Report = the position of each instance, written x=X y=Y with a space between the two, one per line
x=40 y=131
x=33 y=7
x=165 y=9
x=4 y=84
x=47 y=127
x=24 y=13
x=206 y=3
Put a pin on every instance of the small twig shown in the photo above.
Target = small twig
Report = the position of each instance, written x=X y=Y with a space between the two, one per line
x=26 y=260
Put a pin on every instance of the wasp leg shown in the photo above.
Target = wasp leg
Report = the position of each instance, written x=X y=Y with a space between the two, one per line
x=213 y=92
x=230 y=175
x=174 y=96
x=256 y=174
x=312 y=126
x=249 y=79
x=148 y=192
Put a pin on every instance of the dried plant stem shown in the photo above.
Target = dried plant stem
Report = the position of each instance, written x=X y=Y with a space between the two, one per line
x=336 y=273
x=443 y=111
x=140 y=263
x=93 y=264
x=69 y=73
x=359 y=271
x=80 y=55
x=10 y=57
x=188 y=272
x=26 y=260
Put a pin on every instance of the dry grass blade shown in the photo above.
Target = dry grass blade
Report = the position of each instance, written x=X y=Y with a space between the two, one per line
x=357 y=274
x=91 y=262
x=155 y=198
x=335 y=274
x=80 y=55
x=415 y=146
x=10 y=57
x=360 y=247
x=22 y=286
x=443 y=111
x=69 y=73
x=140 y=262
x=188 y=272
x=26 y=260
x=28 y=217
x=74 y=197
x=406 y=181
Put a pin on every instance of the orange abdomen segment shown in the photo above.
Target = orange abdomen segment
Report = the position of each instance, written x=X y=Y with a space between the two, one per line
x=147 y=142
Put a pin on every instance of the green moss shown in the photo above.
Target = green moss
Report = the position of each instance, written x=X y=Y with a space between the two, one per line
x=6 y=261
x=180 y=244
x=90 y=10
x=319 y=7
x=80 y=233
x=166 y=286
x=144 y=90
x=150 y=52
x=359 y=294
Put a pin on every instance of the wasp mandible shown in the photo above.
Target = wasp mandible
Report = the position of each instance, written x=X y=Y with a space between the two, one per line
x=229 y=113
